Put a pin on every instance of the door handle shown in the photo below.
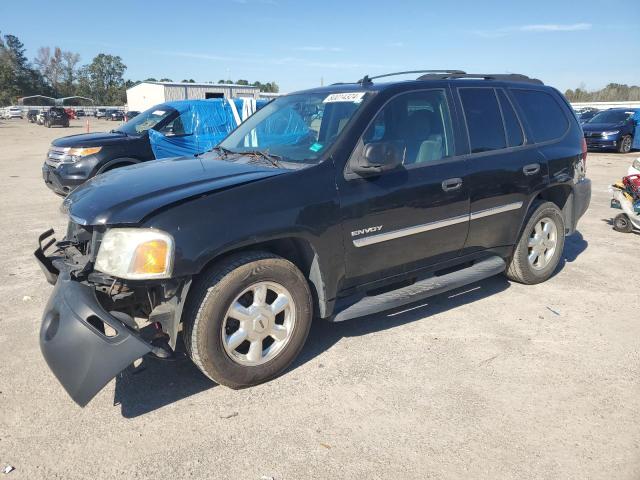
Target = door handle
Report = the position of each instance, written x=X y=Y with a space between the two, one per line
x=451 y=184
x=531 y=169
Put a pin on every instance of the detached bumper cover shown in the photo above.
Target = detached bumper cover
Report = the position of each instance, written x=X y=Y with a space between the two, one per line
x=82 y=357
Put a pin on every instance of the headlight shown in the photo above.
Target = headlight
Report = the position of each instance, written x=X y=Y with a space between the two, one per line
x=612 y=132
x=72 y=155
x=136 y=253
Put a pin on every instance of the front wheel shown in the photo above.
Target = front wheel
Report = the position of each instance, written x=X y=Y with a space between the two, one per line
x=247 y=318
x=540 y=246
x=625 y=144
x=622 y=223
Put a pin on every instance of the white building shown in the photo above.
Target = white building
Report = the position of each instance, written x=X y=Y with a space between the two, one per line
x=145 y=95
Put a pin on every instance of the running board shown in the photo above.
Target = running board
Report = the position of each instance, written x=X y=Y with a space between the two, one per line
x=422 y=289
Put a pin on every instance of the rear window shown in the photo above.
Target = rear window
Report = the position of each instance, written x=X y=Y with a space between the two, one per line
x=515 y=136
x=486 y=131
x=544 y=115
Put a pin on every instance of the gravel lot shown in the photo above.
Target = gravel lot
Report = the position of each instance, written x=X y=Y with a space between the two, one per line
x=496 y=380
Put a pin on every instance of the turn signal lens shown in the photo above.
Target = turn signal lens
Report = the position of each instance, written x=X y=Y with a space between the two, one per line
x=83 y=152
x=150 y=258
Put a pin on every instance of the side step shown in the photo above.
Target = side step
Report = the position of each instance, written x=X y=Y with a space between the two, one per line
x=422 y=289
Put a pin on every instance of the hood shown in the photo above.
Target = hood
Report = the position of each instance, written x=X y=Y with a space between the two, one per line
x=127 y=195
x=97 y=139
x=601 y=127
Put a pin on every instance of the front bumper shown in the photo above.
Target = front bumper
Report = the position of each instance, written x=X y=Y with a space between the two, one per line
x=73 y=337
x=58 y=181
x=601 y=143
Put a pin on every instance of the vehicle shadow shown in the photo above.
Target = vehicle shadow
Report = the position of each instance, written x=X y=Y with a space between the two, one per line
x=574 y=245
x=157 y=383
x=325 y=334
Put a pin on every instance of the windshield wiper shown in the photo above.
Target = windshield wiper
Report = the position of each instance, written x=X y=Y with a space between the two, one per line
x=274 y=160
x=119 y=131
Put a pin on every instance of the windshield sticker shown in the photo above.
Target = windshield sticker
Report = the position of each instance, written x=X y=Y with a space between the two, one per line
x=158 y=112
x=316 y=147
x=355 y=97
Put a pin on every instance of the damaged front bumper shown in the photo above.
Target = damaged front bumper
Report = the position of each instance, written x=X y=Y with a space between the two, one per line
x=75 y=345
x=85 y=343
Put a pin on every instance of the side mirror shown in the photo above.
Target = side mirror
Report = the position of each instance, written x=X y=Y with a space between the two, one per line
x=378 y=157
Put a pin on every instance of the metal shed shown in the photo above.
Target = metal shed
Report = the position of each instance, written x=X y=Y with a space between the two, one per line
x=145 y=95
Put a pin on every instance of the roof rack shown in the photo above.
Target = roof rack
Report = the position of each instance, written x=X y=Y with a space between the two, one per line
x=507 y=77
x=367 y=78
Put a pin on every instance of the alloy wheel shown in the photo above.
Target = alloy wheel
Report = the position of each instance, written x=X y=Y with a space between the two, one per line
x=542 y=243
x=259 y=324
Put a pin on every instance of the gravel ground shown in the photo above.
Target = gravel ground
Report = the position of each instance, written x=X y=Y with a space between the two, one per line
x=496 y=380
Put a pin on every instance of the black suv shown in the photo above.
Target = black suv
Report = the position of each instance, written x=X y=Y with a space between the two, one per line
x=74 y=159
x=329 y=203
x=56 y=116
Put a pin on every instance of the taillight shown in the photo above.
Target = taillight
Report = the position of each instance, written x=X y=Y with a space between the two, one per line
x=584 y=155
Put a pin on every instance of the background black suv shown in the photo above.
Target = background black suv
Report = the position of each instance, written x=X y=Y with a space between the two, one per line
x=333 y=203
x=56 y=116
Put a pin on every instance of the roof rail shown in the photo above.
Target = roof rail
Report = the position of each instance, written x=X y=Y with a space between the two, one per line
x=367 y=78
x=507 y=77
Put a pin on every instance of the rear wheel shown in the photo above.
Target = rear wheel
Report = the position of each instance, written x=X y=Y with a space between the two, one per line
x=247 y=319
x=625 y=144
x=622 y=223
x=540 y=246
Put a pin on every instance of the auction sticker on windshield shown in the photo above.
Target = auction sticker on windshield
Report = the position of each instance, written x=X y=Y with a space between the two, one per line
x=355 y=97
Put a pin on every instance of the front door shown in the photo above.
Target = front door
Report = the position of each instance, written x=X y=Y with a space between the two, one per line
x=417 y=214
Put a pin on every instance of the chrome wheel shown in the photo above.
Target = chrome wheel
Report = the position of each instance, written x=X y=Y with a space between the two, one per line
x=542 y=243
x=258 y=324
x=626 y=144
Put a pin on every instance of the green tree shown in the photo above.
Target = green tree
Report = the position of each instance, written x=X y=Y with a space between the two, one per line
x=102 y=80
x=166 y=80
x=150 y=79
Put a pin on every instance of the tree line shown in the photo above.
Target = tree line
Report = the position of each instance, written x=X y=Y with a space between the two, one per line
x=614 y=92
x=58 y=73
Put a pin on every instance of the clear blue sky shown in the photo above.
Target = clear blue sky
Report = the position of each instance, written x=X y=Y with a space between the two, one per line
x=297 y=42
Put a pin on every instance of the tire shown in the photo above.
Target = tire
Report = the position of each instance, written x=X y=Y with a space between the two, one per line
x=206 y=315
x=625 y=144
x=521 y=268
x=622 y=224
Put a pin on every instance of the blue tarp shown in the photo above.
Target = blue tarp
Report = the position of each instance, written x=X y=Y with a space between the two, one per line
x=202 y=124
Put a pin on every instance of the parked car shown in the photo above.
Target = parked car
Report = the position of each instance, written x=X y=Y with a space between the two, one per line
x=80 y=113
x=116 y=115
x=404 y=189
x=31 y=115
x=130 y=114
x=100 y=112
x=612 y=129
x=41 y=116
x=587 y=114
x=156 y=133
x=56 y=116
x=13 y=112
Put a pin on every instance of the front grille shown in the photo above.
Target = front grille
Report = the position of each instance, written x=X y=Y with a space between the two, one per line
x=55 y=156
x=592 y=135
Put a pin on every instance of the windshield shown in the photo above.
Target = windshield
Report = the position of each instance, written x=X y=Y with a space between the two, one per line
x=146 y=120
x=611 y=116
x=296 y=128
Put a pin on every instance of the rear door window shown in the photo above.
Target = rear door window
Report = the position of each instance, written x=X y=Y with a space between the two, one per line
x=515 y=137
x=484 y=122
x=544 y=115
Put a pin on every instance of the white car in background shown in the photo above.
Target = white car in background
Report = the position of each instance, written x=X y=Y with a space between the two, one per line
x=634 y=168
x=13 y=112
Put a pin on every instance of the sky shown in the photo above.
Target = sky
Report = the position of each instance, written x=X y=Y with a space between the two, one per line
x=301 y=44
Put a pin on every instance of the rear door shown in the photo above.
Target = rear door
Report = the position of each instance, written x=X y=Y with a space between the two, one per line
x=505 y=168
x=417 y=214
